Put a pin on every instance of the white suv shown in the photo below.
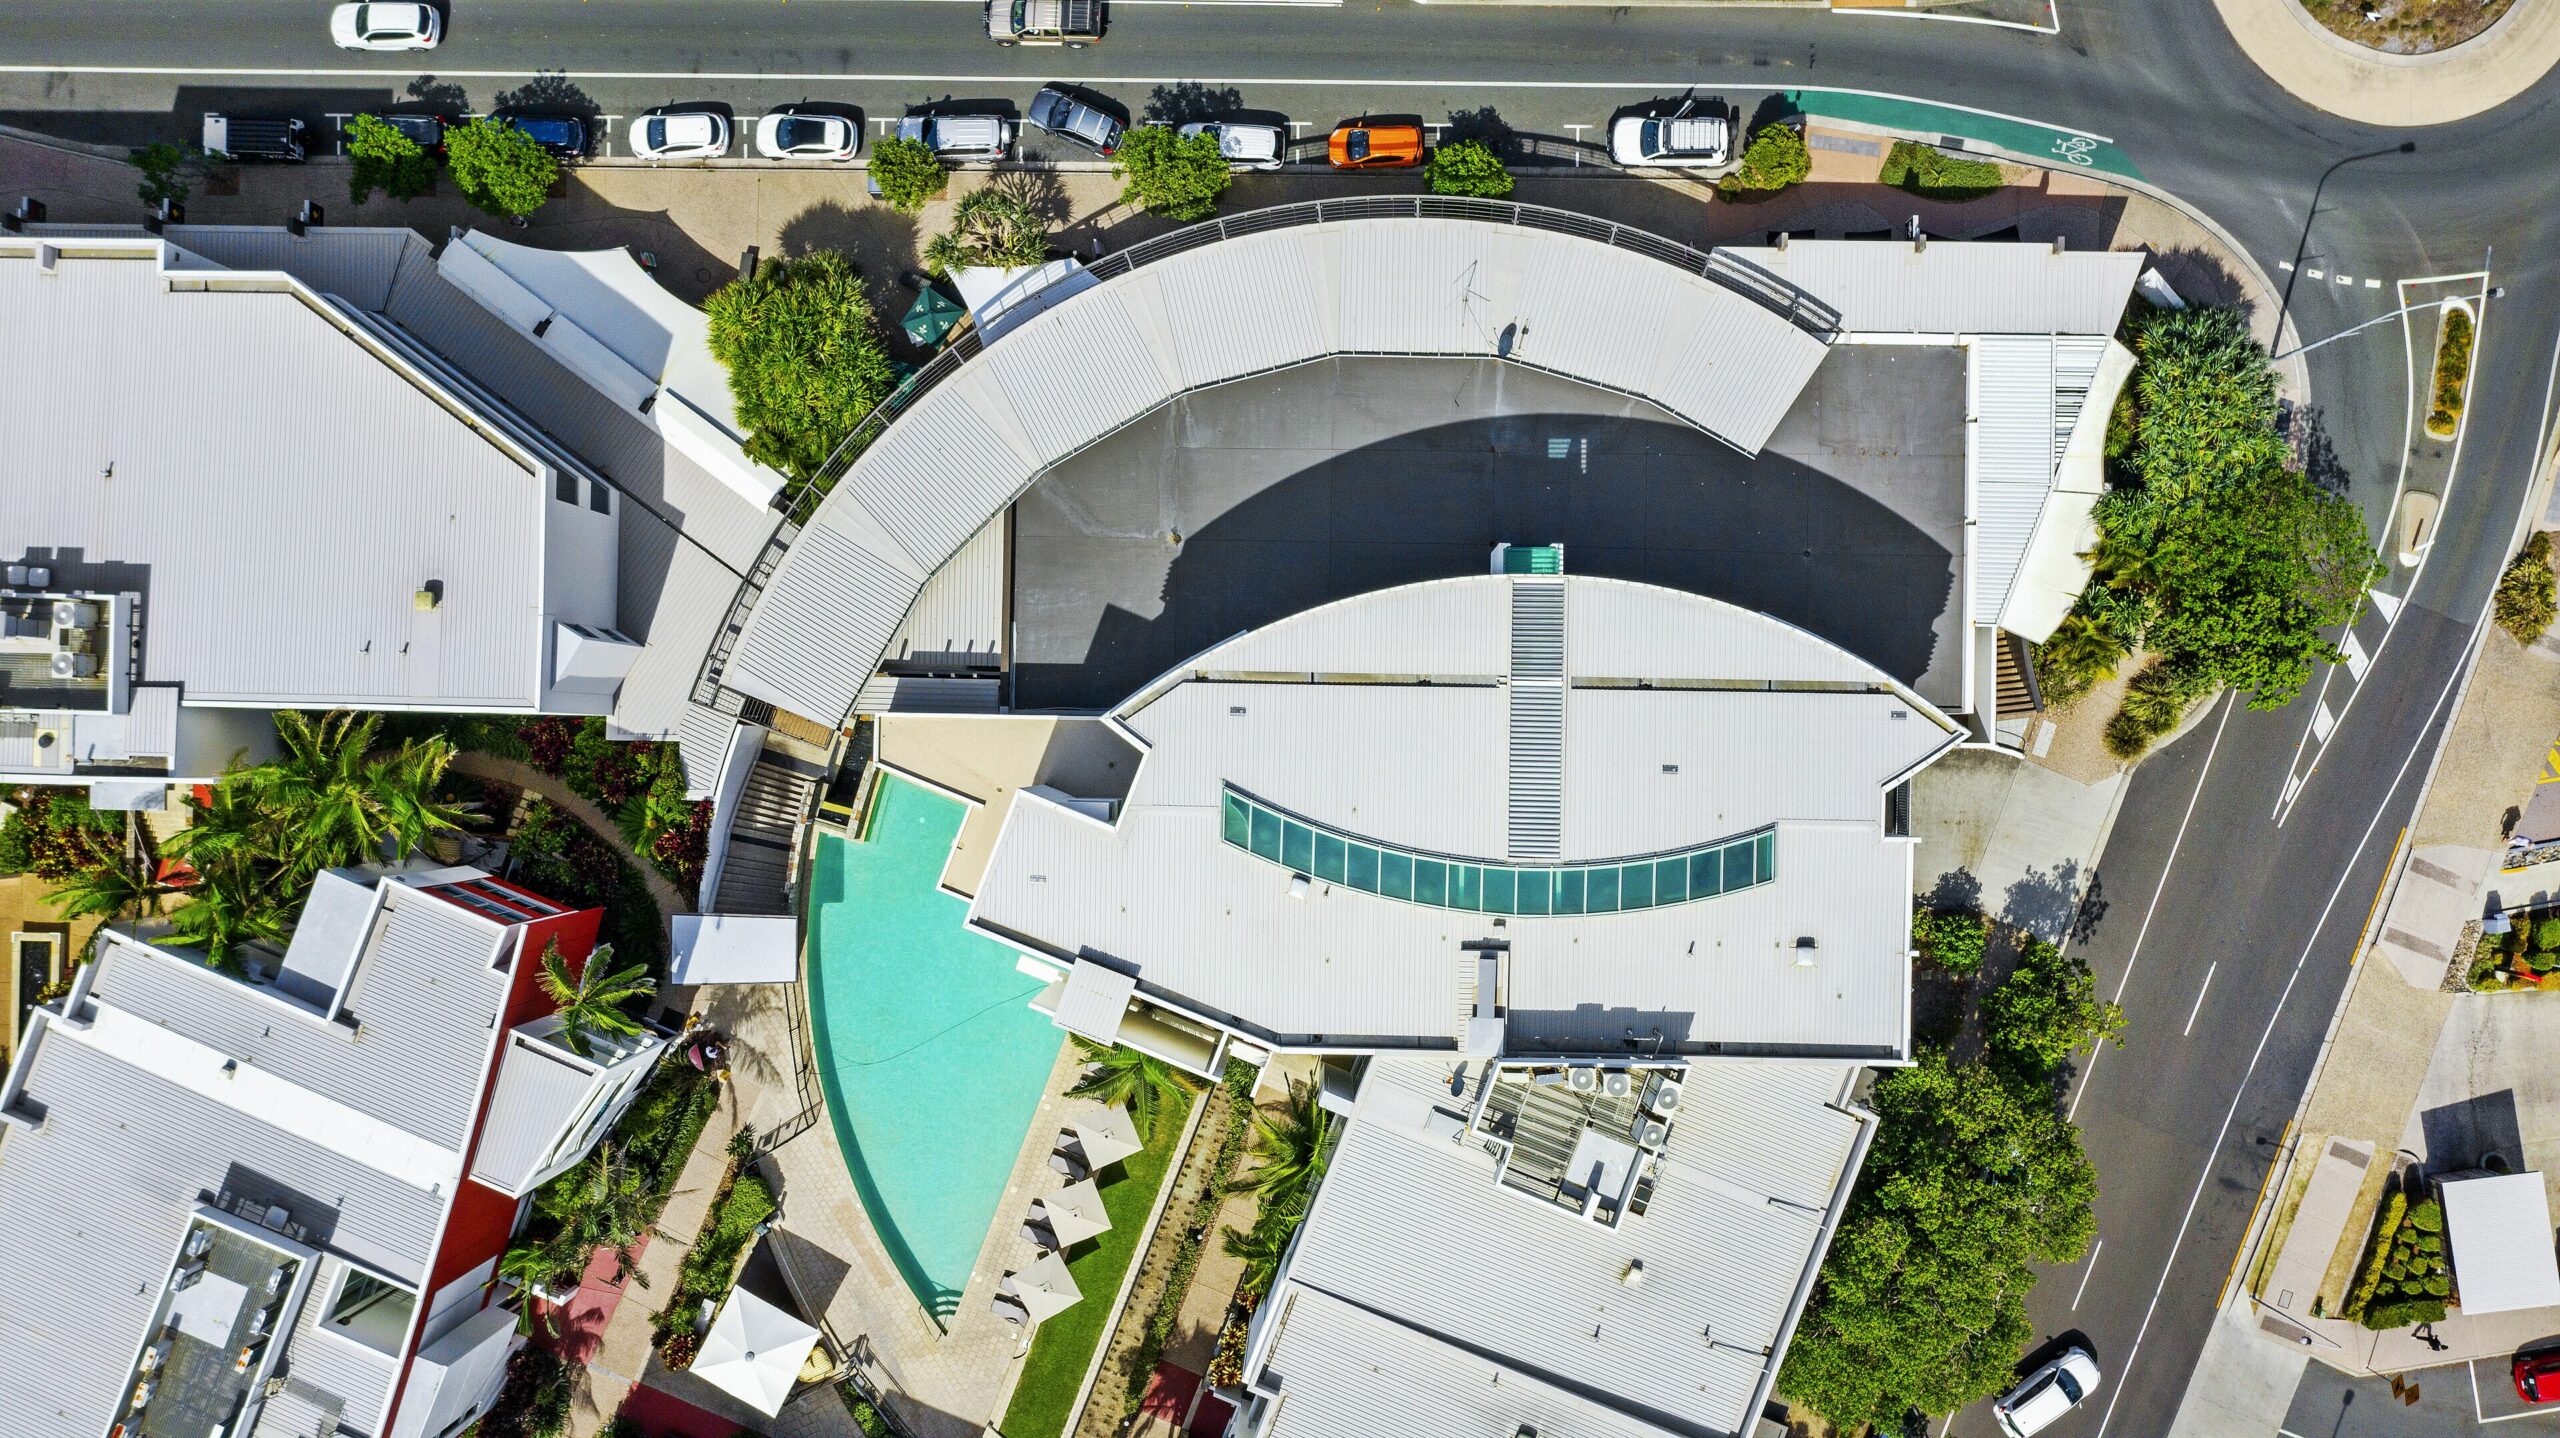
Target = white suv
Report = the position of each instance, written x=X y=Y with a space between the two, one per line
x=1692 y=137
x=2049 y=1392
x=385 y=27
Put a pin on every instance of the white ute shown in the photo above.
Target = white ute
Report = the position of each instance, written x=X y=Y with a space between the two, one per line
x=1683 y=139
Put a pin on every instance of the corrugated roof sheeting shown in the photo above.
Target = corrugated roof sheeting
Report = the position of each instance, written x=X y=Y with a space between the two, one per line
x=1621 y=630
x=357 y=1376
x=843 y=603
x=538 y=1093
x=967 y=448
x=1440 y=627
x=356 y=265
x=1957 y=287
x=1419 y=1229
x=232 y=505
x=2025 y=390
x=958 y=621
x=109 y=1179
x=1351 y=1373
x=423 y=993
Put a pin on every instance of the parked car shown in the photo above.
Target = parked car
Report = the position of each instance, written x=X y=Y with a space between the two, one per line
x=1359 y=145
x=386 y=27
x=1247 y=145
x=960 y=139
x=1694 y=136
x=2047 y=1394
x=1072 y=23
x=792 y=133
x=1063 y=115
x=565 y=136
x=2537 y=1376
x=424 y=131
x=226 y=138
x=680 y=135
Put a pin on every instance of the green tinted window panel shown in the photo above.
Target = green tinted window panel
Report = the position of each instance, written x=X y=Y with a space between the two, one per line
x=1395 y=875
x=1602 y=895
x=1671 y=881
x=1737 y=867
x=1298 y=847
x=1466 y=886
x=1364 y=868
x=1635 y=886
x=1330 y=853
x=1533 y=891
x=1431 y=882
x=1501 y=890
x=1238 y=822
x=1706 y=873
x=1766 y=847
x=1266 y=834
x=1568 y=891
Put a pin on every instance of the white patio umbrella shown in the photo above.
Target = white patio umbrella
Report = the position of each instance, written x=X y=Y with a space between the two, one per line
x=1107 y=1136
x=1076 y=1212
x=754 y=1351
x=1045 y=1288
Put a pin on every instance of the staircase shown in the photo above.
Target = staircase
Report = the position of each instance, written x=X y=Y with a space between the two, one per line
x=1537 y=717
x=2018 y=694
x=763 y=830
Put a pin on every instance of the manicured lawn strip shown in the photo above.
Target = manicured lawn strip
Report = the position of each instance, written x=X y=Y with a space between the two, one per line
x=1053 y=1372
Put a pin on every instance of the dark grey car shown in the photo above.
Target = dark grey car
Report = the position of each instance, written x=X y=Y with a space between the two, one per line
x=1062 y=114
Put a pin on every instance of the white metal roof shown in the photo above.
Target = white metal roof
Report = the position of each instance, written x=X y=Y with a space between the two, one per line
x=1607 y=316
x=1422 y=766
x=1957 y=287
x=2498 y=1227
x=2027 y=395
x=1472 y=1280
x=280 y=499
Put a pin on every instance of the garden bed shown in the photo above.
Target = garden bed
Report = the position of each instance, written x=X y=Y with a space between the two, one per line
x=2454 y=337
x=2406 y=27
x=711 y=1266
x=2405 y=1278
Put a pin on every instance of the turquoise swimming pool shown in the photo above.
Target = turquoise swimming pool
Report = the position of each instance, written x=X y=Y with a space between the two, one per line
x=932 y=1058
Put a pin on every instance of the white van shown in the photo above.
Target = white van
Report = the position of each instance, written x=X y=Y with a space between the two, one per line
x=960 y=139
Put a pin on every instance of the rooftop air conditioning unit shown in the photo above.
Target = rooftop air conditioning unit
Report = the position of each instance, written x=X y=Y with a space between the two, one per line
x=1583 y=1077
x=74 y=666
x=1663 y=1095
x=1651 y=1132
x=73 y=614
x=1615 y=1083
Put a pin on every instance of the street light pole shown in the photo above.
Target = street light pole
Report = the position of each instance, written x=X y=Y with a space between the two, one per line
x=2496 y=293
x=2302 y=246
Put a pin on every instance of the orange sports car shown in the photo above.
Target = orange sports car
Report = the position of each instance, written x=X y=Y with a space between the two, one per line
x=1359 y=145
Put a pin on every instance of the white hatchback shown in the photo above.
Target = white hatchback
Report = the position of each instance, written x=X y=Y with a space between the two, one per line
x=791 y=133
x=1246 y=146
x=2049 y=1392
x=385 y=27
x=680 y=135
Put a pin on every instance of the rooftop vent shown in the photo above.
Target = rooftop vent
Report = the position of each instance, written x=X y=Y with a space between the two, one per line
x=1633 y=1274
x=429 y=595
x=1806 y=951
x=1299 y=884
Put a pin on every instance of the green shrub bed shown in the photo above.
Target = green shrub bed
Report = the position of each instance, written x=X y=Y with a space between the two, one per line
x=2453 y=370
x=1933 y=173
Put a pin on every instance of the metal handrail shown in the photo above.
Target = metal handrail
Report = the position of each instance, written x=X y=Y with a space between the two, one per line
x=799 y=502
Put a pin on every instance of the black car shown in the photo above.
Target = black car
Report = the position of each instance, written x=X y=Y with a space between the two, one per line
x=565 y=136
x=1064 y=115
x=425 y=131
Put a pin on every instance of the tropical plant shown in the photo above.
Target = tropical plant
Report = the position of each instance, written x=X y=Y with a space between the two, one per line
x=385 y=160
x=54 y=834
x=1145 y=1085
x=1262 y=1248
x=329 y=800
x=592 y=1003
x=1952 y=939
x=227 y=909
x=1775 y=159
x=2046 y=1010
x=2527 y=596
x=1468 y=167
x=908 y=173
x=1171 y=174
x=1972 y=1182
x=124 y=888
x=164 y=170
x=548 y=1264
x=990 y=227
x=804 y=355
x=500 y=169
x=1290 y=1148
x=2154 y=703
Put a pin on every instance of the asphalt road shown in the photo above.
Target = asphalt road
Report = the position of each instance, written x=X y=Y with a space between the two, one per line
x=2228 y=934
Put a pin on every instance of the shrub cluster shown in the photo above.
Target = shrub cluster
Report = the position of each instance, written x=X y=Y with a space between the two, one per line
x=1952 y=939
x=2153 y=704
x=2527 y=599
x=1929 y=171
x=908 y=173
x=1171 y=174
x=1775 y=159
x=1469 y=167
x=2405 y=1278
x=2453 y=370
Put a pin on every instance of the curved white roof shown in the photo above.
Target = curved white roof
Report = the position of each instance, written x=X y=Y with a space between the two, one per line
x=1700 y=347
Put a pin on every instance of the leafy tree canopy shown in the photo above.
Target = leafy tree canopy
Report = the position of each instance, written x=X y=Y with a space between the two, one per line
x=1171 y=174
x=1775 y=159
x=804 y=355
x=908 y=173
x=2046 y=1010
x=386 y=160
x=1469 y=167
x=991 y=226
x=499 y=169
x=1971 y=1182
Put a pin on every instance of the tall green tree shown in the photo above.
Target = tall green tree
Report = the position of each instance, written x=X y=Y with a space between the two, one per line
x=908 y=173
x=386 y=160
x=1290 y=1148
x=1145 y=1085
x=591 y=1004
x=124 y=888
x=2046 y=1010
x=805 y=359
x=1171 y=174
x=500 y=169
x=232 y=907
x=1469 y=167
x=329 y=799
x=1971 y=1182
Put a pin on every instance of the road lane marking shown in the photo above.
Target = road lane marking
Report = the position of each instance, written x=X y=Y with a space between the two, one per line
x=2258 y=1054
x=2190 y=1029
x=2284 y=264
x=250 y=72
x=2151 y=912
x=2316 y=274
x=2084 y=1274
x=2372 y=282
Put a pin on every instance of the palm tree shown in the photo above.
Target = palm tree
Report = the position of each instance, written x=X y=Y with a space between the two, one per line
x=1261 y=1248
x=327 y=800
x=403 y=784
x=1291 y=1149
x=531 y=1263
x=1146 y=1085
x=120 y=889
x=228 y=907
x=591 y=1003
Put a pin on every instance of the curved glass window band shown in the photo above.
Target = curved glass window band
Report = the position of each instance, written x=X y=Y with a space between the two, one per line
x=1532 y=890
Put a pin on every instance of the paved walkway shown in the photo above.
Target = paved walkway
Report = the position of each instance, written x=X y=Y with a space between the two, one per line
x=2348 y=79
x=670 y=901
